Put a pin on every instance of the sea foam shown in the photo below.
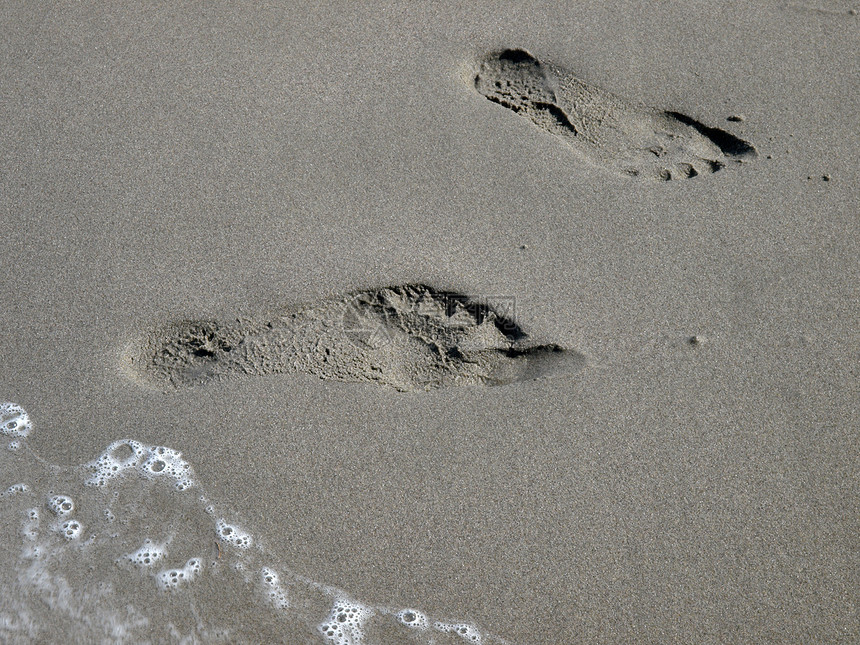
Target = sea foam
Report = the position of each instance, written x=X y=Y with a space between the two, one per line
x=129 y=548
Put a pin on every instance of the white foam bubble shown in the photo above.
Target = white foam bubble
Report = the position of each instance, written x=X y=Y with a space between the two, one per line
x=412 y=618
x=232 y=534
x=120 y=457
x=166 y=462
x=128 y=455
x=274 y=592
x=172 y=579
x=61 y=505
x=344 y=625
x=71 y=529
x=14 y=421
x=148 y=555
x=15 y=489
x=465 y=631
x=30 y=529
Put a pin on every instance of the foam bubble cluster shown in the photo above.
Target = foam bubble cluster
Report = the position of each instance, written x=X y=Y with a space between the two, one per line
x=14 y=421
x=127 y=455
x=412 y=618
x=232 y=534
x=275 y=593
x=61 y=505
x=344 y=625
x=14 y=489
x=30 y=529
x=148 y=554
x=71 y=529
x=172 y=579
x=466 y=632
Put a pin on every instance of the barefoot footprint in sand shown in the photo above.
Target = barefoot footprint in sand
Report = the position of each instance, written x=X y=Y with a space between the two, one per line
x=604 y=128
x=410 y=337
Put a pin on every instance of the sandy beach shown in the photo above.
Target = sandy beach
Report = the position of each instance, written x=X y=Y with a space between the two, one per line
x=404 y=322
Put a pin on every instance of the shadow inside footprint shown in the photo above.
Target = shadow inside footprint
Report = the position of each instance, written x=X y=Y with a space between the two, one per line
x=604 y=128
x=729 y=144
x=410 y=337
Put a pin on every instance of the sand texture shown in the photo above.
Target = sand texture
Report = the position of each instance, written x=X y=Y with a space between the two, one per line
x=401 y=322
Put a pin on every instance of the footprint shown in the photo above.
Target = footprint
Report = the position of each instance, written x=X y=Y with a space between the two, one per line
x=606 y=129
x=409 y=337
